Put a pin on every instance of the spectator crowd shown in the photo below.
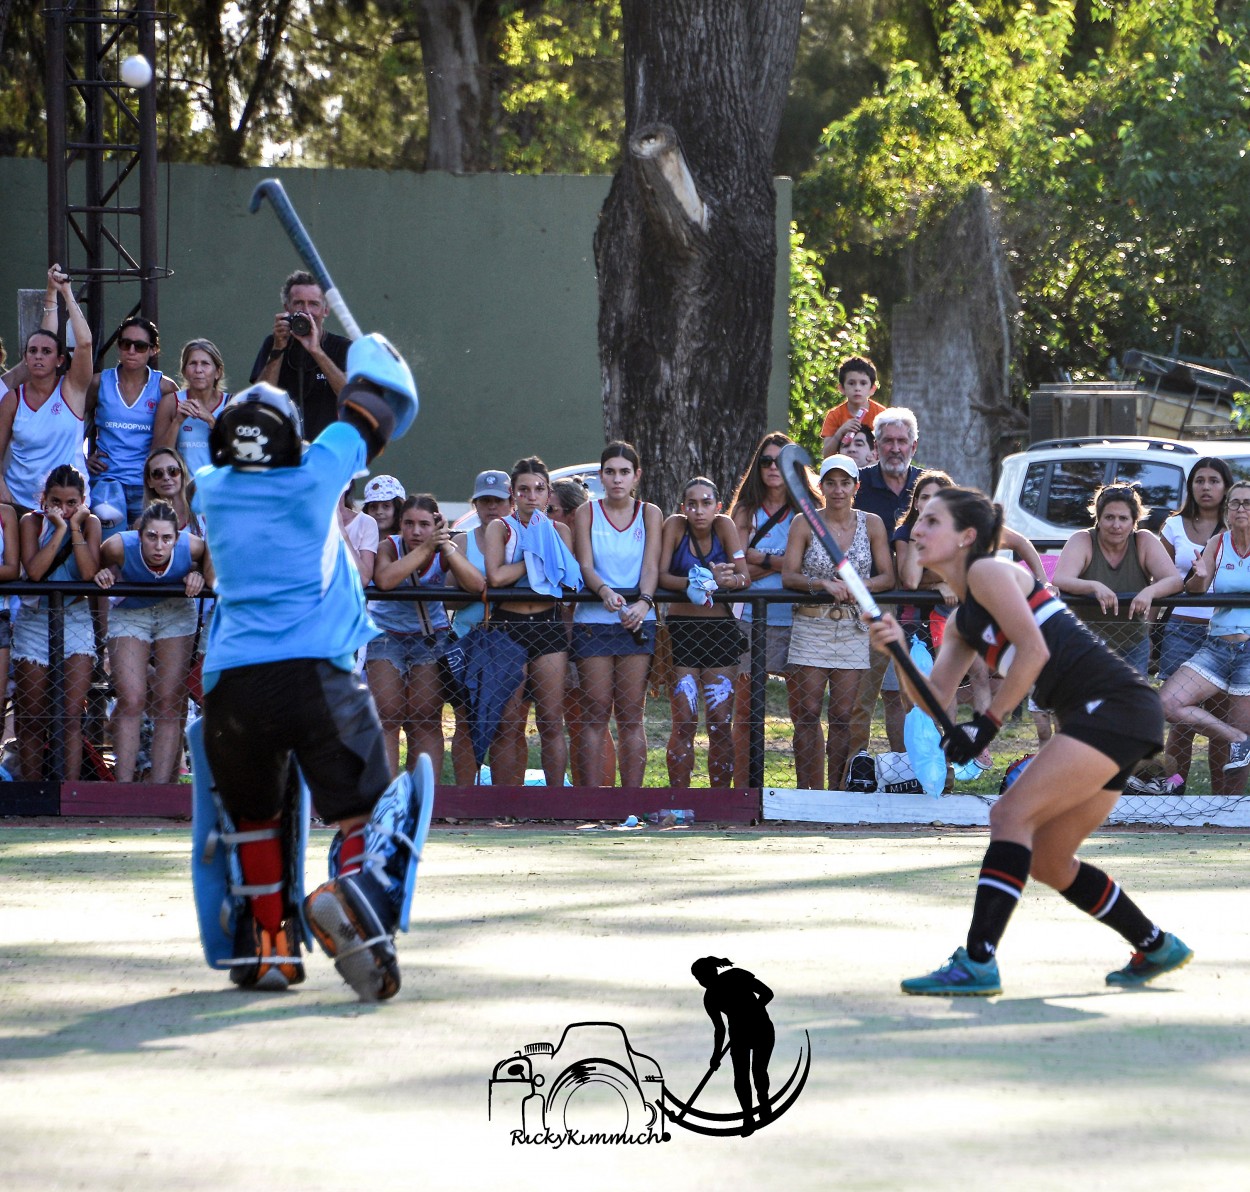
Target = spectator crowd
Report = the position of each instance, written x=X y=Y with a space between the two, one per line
x=96 y=486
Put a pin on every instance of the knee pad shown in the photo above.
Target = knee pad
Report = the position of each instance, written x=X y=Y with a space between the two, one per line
x=221 y=896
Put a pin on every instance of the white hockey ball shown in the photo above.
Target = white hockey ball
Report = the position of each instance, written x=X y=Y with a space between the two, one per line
x=136 y=71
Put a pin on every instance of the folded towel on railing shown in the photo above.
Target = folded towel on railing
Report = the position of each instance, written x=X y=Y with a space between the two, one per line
x=549 y=565
x=701 y=586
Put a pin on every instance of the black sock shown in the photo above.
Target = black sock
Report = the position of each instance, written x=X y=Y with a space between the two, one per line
x=1004 y=871
x=1098 y=895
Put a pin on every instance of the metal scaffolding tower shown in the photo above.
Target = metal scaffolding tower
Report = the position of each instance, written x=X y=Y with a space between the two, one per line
x=102 y=228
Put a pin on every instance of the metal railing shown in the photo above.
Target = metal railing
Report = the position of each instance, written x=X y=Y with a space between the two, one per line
x=758 y=601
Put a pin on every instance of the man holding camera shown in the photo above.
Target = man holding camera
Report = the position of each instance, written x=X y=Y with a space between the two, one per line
x=301 y=357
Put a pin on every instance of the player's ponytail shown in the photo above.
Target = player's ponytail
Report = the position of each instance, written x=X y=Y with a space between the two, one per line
x=972 y=509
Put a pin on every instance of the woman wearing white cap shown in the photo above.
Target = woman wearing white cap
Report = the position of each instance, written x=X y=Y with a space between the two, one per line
x=828 y=643
x=383 y=497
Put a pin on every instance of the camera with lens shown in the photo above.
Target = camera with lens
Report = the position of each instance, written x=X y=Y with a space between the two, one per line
x=592 y=1075
x=300 y=323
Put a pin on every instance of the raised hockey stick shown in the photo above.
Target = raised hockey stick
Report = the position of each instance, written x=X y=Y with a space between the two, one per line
x=271 y=189
x=794 y=462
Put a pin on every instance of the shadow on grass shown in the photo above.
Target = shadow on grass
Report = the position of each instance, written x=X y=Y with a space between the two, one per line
x=157 y=1023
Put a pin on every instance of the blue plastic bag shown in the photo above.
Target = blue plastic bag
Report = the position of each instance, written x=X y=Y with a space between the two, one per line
x=921 y=737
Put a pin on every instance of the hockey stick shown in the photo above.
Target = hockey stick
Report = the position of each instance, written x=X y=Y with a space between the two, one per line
x=702 y=1083
x=271 y=189
x=794 y=462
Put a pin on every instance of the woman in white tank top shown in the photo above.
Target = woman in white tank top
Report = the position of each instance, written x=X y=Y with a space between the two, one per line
x=617 y=542
x=41 y=419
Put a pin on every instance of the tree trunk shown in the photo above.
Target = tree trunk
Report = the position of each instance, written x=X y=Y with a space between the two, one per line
x=459 y=51
x=686 y=246
x=453 y=80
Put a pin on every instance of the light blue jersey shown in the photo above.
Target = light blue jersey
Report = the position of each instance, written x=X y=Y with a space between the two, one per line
x=193 y=436
x=123 y=431
x=135 y=569
x=286 y=585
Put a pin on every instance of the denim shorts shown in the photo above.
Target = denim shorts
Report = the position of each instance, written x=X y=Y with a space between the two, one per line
x=1181 y=641
x=406 y=650
x=597 y=640
x=1224 y=664
x=174 y=617
x=30 y=633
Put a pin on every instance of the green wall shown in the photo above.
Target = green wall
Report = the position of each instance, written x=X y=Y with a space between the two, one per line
x=485 y=282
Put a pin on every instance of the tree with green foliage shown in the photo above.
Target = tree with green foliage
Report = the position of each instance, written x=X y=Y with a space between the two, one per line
x=822 y=334
x=1114 y=140
x=526 y=86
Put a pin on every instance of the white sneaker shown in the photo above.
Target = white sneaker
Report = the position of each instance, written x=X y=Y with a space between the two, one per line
x=1238 y=755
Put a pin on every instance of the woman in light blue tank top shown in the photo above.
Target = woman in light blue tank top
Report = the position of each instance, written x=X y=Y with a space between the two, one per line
x=125 y=405
x=159 y=630
x=59 y=542
x=185 y=423
x=1221 y=667
x=402 y=663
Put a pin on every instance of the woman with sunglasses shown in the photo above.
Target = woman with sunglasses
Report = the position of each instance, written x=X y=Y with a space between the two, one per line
x=166 y=478
x=1221 y=667
x=155 y=630
x=763 y=509
x=41 y=418
x=185 y=422
x=1115 y=557
x=126 y=404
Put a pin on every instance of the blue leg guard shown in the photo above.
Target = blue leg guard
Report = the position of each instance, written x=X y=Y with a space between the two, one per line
x=395 y=836
x=221 y=897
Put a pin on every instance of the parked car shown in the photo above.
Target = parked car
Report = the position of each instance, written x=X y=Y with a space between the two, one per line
x=1045 y=490
x=588 y=474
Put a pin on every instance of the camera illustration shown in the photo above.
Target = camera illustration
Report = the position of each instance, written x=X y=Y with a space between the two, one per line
x=300 y=323
x=592 y=1080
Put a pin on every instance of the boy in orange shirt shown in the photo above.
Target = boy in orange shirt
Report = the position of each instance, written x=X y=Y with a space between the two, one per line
x=857 y=381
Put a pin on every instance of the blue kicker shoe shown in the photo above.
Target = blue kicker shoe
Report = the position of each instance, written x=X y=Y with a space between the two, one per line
x=960 y=976
x=1146 y=966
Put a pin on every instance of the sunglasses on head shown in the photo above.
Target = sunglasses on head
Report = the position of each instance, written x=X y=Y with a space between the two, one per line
x=173 y=472
x=134 y=345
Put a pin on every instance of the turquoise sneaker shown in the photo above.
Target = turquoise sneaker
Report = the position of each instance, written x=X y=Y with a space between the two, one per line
x=1146 y=966
x=960 y=976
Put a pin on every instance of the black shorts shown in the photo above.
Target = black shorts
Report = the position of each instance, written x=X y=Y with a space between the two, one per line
x=706 y=642
x=540 y=633
x=256 y=717
x=1126 y=726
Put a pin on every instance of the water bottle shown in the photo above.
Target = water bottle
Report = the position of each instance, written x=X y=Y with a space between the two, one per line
x=669 y=817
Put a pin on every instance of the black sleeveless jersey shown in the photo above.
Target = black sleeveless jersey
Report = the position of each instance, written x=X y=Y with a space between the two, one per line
x=1080 y=667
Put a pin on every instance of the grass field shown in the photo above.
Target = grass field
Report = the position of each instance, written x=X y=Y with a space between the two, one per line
x=126 y=1064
